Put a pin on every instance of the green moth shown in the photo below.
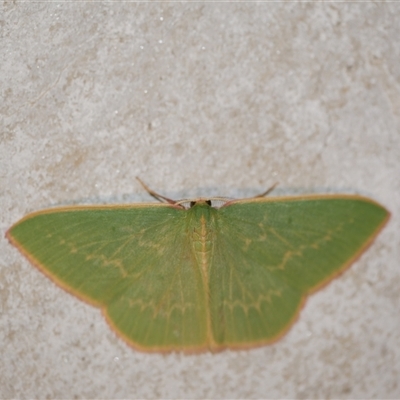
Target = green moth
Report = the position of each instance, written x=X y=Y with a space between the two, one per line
x=188 y=276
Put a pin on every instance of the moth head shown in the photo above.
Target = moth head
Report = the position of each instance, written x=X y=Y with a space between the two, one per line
x=214 y=202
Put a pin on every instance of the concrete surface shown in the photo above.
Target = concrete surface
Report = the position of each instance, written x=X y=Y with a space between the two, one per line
x=199 y=98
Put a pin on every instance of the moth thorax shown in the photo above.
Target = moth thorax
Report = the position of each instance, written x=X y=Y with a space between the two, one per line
x=202 y=239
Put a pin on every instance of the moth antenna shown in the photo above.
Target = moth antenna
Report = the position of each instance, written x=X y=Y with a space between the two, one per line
x=268 y=191
x=154 y=194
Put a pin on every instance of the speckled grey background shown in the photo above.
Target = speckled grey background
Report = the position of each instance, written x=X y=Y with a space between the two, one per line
x=211 y=98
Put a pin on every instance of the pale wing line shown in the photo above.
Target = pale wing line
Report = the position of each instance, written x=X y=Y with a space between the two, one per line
x=182 y=307
x=177 y=269
x=236 y=303
x=280 y=237
x=166 y=297
x=90 y=255
x=257 y=226
x=256 y=302
x=111 y=260
x=234 y=275
x=129 y=237
x=288 y=255
x=231 y=304
x=151 y=269
x=84 y=230
x=169 y=289
x=297 y=251
x=325 y=236
x=234 y=272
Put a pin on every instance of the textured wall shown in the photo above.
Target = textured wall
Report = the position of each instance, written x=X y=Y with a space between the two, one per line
x=221 y=99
